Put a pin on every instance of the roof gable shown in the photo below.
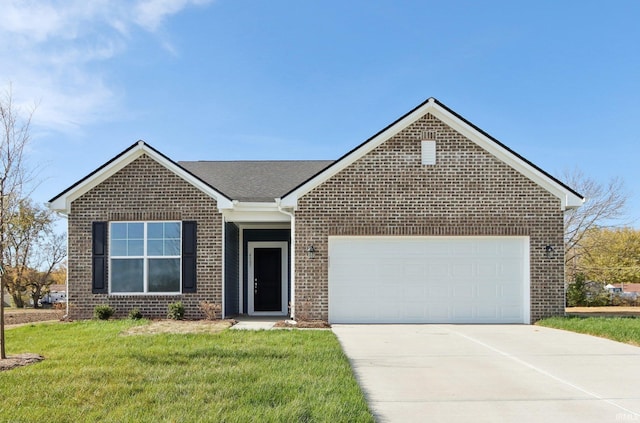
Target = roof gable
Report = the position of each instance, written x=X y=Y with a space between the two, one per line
x=62 y=202
x=568 y=197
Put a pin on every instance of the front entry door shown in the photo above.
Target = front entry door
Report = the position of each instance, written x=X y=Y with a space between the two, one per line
x=267 y=278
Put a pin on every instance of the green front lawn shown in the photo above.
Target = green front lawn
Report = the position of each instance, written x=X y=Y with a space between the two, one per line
x=93 y=373
x=622 y=329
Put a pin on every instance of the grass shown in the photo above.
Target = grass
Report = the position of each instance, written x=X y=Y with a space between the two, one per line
x=93 y=373
x=621 y=329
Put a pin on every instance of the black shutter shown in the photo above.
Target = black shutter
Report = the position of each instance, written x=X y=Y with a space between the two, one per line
x=99 y=258
x=189 y=241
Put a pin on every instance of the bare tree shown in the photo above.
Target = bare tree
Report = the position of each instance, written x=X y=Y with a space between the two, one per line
x=604 y=207
x=16 y=130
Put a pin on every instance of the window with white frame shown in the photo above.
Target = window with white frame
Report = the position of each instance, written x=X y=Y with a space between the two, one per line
x=145 y=257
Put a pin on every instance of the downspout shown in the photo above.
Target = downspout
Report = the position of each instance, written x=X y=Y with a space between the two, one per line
x=224 y=262
x=292 y=263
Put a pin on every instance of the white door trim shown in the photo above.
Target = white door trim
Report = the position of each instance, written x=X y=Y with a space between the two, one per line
x=251 y=246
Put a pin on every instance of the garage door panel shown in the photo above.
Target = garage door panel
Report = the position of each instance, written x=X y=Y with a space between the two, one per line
x=428 y=279
x=509 y=290
x=437 y=269
x=437 y=313
x=390 y=292
x=488 y=312
x=462 y=291
x=414 y=271
x=488 y=292
x=462 y=311
x=487 y=270
x=414 y=293
x=511 y=312
x=436 y=291
x=461 y=270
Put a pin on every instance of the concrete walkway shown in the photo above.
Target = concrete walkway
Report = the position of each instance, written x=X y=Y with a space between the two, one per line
x=255 y=322
x=501 y=373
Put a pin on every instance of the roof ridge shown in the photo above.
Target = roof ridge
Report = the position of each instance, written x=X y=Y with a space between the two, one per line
x=256 y=161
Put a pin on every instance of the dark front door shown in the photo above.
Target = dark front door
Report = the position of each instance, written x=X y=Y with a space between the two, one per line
x=267 y=279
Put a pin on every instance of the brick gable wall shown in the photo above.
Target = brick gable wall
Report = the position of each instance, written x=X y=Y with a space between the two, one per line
x=467 y=192
x=142 y=191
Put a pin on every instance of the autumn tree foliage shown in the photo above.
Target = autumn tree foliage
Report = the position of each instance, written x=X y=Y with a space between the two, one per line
x=611 y=255
x=32 y=252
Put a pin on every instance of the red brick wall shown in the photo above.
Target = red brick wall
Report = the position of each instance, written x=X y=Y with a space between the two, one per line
x=467 y=192
x=144 y=190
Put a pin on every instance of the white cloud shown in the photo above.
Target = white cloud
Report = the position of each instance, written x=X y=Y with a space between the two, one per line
x=49 y=50
x=151 y=13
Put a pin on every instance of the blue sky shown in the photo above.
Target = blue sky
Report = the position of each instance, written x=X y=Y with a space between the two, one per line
x=558 y=82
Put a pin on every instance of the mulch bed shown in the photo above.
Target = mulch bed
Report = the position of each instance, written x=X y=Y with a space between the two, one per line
x=19 y=360
x=180 y=327
x=303 y=324
x=28 y=316
x=613 y=311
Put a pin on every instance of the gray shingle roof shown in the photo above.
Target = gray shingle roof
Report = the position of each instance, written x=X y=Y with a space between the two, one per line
x=259 y=181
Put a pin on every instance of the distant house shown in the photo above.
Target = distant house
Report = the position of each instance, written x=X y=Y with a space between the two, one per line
x=631 y=290
x=56 y=294
x=431 y=220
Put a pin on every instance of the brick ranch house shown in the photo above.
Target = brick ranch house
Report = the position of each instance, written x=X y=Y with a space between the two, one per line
x=431 y=220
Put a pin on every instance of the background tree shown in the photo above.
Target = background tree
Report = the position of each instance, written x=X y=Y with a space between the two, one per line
x=14 y=175
x=29 y=230
x=59 y=274
x=50 y=252
x=604 y=207
x=611 y=255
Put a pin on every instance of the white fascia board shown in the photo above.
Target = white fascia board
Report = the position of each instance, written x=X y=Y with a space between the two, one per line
x=62 y=204
x=567 y=198
x=59 y=206
x=291 y=200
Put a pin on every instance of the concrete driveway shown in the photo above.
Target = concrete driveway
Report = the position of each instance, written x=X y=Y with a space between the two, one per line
x=501 y=373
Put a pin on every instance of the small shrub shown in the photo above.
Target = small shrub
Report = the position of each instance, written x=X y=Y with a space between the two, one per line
x=583 y=293
x=212 y=311
x=135 y=314
x=103 y=312
x=619 y=299
x=59 y=306
x=176 y=311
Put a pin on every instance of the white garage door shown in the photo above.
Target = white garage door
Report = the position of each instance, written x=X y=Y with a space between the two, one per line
x=429 y=279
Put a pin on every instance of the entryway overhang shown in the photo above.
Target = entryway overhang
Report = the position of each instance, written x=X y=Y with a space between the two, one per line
x=254 y=212
x=258 y=258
